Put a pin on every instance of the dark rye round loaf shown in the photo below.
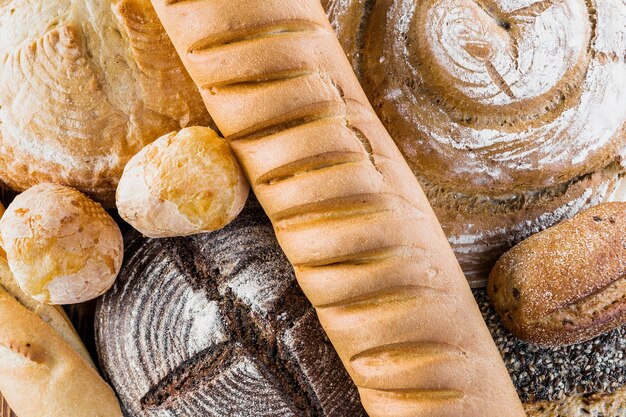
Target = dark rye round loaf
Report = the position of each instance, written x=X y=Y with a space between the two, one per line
x=215 y=325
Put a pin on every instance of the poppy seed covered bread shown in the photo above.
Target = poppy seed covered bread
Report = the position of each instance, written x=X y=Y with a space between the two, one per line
x=582 y=380
x=84 y=85
x=215 y=325
x=511 y=113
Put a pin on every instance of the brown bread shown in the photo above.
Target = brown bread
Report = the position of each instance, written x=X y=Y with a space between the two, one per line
x=565 y=285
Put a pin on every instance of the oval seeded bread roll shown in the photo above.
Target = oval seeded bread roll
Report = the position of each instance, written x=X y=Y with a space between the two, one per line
x=350 y=215
x=511 y=113
x=566 y=284
x=84 y=85
x=215 y=325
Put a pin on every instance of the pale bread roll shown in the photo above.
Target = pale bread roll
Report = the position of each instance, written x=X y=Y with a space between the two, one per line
x=184 y=183
x=62 y=247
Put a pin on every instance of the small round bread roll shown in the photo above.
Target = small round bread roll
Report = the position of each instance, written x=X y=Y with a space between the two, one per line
x=62 y=247
x=182 y=184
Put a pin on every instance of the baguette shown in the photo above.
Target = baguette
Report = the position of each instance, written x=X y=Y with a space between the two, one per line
x=45 y=370
x=348 y=212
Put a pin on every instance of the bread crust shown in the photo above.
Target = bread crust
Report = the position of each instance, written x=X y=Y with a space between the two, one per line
x=508 y=113
x=44 y=368
x=83 y=87
x=347 y=210
x=565 y=285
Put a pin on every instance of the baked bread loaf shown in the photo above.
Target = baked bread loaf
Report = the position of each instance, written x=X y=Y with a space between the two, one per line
x=181 y=184
x=511 y=114
x=566 y=284
x=347 y=210
x=62 y=247
x=215 y=325
x=583 y=380
x=248 y=284
x=45 y=370
x=84 y=85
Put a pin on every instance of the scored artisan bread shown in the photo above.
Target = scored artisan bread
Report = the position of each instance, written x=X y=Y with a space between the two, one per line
x=347 y=210
x=566 y=284
x=236 y=336
x=84 y=85
x=511 y=114
x=45 y=370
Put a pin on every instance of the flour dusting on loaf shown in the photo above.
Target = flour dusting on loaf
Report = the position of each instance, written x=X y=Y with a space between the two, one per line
x=84 y=85
x=493 y=103
x=215 y=325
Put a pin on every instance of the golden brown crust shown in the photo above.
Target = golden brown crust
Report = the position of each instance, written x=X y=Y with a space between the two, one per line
x=566 y=284
x=348 y=212
x=45 y=369
x=591 y=405
x=495 y=103
x=41 y=375
x=97 y=80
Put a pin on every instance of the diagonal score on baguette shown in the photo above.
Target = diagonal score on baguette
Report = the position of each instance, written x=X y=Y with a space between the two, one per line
x=348 y=212
x=41 y=374
x=53 y=315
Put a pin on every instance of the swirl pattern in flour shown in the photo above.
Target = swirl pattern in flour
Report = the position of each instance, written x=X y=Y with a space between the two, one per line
x=511 y=113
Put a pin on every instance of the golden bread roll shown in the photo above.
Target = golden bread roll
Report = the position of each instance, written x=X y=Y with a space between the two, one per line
x=84 y=85
x=62 y=247
x=510 y=113
x=45 y=370
x=566 y=284
x=347 y=210
x=182 y=184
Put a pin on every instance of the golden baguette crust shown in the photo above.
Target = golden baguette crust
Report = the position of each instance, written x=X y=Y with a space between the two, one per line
x=53 y=315
x=84 y=85
x=565 y=285
x=41 y=375
x=347 y=210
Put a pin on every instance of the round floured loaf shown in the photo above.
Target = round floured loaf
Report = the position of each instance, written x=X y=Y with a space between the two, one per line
x=511 y=113
x=84 y=85
x=215 y=325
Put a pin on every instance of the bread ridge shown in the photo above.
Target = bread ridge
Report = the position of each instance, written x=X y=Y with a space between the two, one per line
x=347 y=210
